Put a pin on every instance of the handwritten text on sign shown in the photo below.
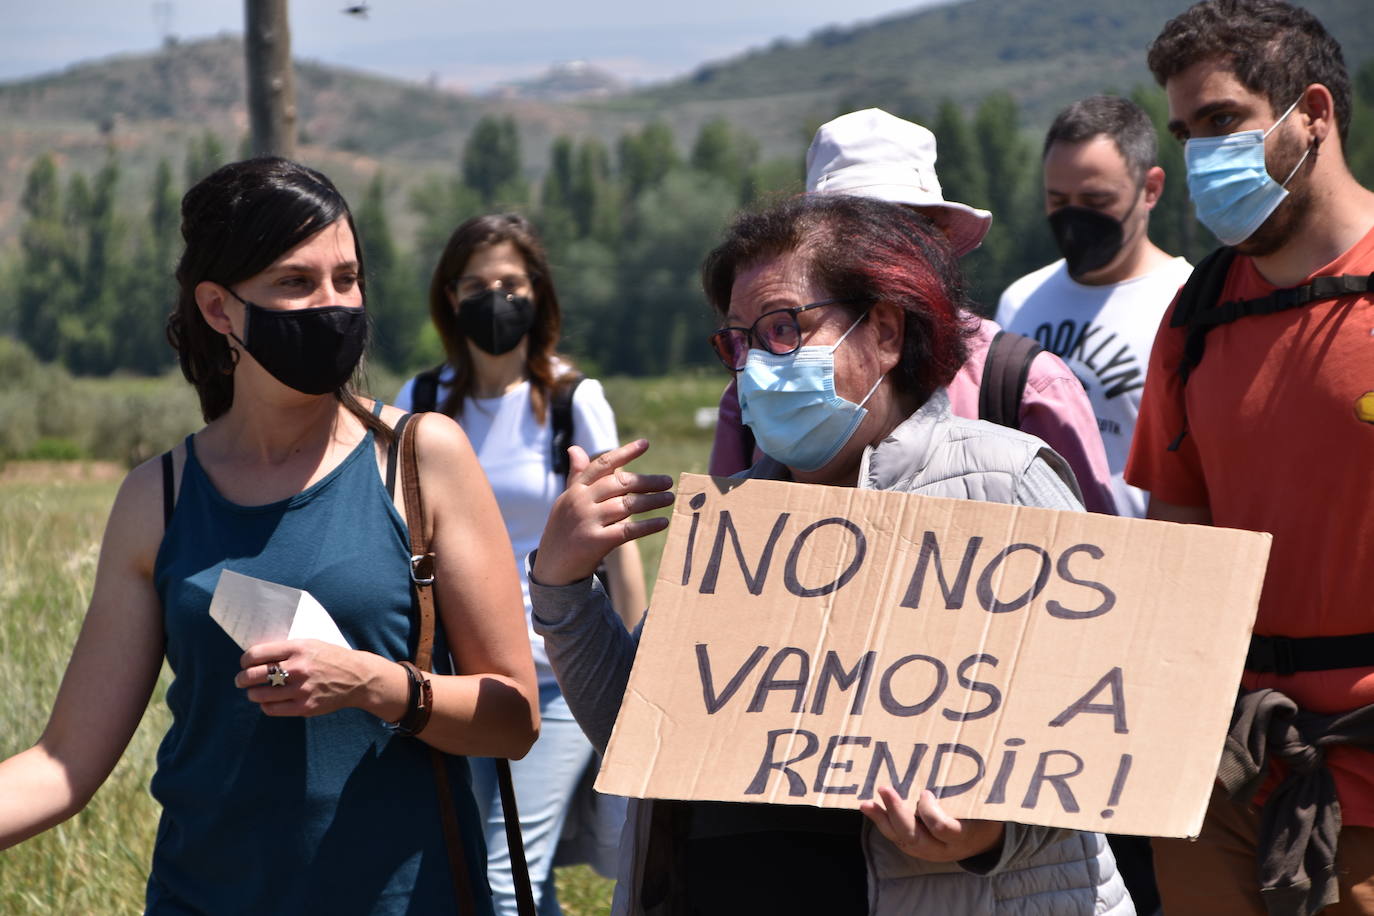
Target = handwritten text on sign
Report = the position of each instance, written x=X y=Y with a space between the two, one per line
x=807 y=645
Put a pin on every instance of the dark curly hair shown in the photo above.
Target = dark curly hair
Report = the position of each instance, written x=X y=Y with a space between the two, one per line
x=236 y=222
x=862 y=250
x=1274 y=49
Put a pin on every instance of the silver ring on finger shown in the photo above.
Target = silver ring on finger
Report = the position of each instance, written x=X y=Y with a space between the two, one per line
x=277 y=676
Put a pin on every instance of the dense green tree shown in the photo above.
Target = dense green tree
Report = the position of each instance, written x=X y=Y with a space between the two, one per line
x=1360 y=148
x=204 y=154
x=440 y=204
x=728 y=154
x=1012 y=172
x=491 y=162
x=47 y=270
x=959 y=162
x=664 y=316
x=555 y=196
x=395 y=301
x=646 y=158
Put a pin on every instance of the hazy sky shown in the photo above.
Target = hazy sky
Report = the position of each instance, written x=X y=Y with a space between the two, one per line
x=469 y=43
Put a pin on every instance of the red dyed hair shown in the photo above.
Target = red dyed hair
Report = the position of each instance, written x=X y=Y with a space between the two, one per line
x=865 y=250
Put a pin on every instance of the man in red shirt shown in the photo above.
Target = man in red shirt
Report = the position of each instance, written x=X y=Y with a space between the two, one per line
x=1271 y=427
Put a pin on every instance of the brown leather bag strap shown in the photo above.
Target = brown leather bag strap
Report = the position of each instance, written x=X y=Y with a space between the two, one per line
x=421 y=557
x=422 y=578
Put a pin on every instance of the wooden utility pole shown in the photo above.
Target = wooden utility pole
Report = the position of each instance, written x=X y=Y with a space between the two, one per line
x=271 y=86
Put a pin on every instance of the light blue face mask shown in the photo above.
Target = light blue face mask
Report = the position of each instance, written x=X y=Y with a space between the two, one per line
x=789 y=403
x=1232 y=191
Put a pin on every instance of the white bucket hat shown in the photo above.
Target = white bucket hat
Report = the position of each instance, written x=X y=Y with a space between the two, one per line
x=871 y=153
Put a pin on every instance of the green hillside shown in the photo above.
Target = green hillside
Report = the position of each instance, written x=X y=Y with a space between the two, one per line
x=630 y=191
x=1044 y=52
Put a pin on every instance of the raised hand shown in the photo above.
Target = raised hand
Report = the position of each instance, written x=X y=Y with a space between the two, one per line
x=594 y=515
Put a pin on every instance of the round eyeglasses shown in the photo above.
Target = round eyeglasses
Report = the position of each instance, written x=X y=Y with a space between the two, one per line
x=777 y=332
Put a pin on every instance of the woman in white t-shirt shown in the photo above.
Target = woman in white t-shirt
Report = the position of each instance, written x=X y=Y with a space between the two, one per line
x=493 y=303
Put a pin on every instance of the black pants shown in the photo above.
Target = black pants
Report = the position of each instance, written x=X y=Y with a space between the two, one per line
x=789 y=873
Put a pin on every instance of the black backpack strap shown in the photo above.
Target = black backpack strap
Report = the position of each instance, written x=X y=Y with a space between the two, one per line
x=1004 y=378
x=169 y=493
x=561 y=421
x=1201 y=291
x=424 y=393
x=393 y=453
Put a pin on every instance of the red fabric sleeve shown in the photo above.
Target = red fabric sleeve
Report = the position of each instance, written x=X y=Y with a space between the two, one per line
x=1173 y=477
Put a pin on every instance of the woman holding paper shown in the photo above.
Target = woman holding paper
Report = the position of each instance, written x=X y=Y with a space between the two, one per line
x=841 y=319
x=284 y=782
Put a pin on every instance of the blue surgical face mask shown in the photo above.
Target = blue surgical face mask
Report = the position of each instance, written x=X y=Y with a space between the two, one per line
x=1232 y=191
x=789 y=403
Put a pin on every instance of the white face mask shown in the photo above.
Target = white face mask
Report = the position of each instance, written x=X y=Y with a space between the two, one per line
x=1232 y=191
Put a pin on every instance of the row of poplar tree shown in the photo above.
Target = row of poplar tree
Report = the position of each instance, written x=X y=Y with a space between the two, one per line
x=90 y=286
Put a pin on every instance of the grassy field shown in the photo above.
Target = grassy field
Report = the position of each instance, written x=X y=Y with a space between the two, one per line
x=51 y=518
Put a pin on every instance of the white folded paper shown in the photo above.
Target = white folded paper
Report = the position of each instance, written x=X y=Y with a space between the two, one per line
x=255 y=611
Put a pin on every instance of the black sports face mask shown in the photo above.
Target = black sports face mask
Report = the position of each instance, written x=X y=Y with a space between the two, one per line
x=495 y=320
x=1089 y=239
x=311 y=350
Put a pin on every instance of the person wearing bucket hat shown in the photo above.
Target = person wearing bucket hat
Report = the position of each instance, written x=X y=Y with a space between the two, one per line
x=872 y=153
x=1098 y=306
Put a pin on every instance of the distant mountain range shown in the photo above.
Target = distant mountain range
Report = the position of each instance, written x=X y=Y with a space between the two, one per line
x=1044 y=52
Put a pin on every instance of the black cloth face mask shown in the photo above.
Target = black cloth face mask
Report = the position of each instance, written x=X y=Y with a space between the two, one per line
x=496 y=320
x=314 y=351
x=1088 y=239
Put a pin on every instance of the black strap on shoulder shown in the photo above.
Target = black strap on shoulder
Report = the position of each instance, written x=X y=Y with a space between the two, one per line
x=1004 y=378
x=561 y=421
x=1200 y=308
x=169 y=494
x=393 y=453
x=424 y=393
x=1201 y=291
x=1285 y=655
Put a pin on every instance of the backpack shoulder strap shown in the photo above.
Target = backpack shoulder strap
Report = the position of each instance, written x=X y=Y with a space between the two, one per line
x=169 y=493
x=424 y=394
x=1201 y=291
x=561 y=420
x=1004 y=378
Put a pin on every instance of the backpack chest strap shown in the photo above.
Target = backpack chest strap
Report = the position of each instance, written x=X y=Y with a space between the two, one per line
x=1320 y=289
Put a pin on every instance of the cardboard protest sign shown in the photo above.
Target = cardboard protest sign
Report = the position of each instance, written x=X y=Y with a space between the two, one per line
x=807 y=645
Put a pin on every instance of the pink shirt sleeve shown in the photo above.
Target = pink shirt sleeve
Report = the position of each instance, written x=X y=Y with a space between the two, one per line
x=1056 y=409
x=732 y=450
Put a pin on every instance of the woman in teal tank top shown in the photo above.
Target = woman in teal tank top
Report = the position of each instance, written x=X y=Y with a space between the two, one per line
x=285 y=781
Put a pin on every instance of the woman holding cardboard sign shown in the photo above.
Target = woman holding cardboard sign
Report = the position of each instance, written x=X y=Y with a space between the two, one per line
x=842 y=324
x=297 y=775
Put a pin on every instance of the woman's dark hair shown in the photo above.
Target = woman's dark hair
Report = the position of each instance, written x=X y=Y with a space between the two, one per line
x=863 y=250
x=540 y=358
x=236 y=222
x=1274 y=48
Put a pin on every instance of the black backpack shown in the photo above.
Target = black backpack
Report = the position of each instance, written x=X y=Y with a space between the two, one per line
x=1199 y=308
x=1004 y=378
x=424 y=396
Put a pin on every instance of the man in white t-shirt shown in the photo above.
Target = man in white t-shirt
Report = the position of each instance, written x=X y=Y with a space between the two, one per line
x=1098 y=308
